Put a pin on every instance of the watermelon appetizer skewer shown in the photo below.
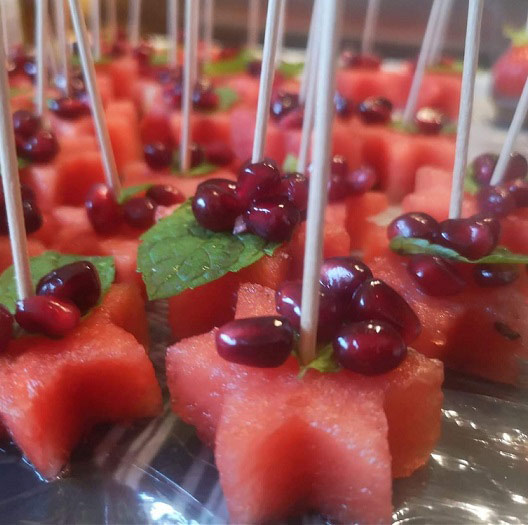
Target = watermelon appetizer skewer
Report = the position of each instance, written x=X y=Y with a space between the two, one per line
x=68 y=363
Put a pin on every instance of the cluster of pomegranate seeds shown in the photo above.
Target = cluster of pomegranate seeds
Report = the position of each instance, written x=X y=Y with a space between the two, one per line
x=63 y=295
x=375 y=110
x=19 y=63
x=204 y=95
x=107 y=216
x=473 y=238
x=261 y=201
x=368 y=323
x=70 y=108
x=263 y=342
x=429 y=121
x=342 y=182
x=34 y=143
x=502 y=199
x=360 y=60
x=77 y=282
x=32 y=215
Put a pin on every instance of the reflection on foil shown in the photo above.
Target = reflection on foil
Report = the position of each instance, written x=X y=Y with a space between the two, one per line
x=158 y=471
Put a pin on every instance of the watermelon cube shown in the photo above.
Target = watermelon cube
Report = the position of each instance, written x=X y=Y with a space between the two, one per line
x=54 y=391
x=329 y=442
x=470 y=331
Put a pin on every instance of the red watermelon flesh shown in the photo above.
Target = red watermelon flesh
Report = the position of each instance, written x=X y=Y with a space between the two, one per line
x=208 y=392
x=510 y=72
x=124 y=73
x=246 y=87
x=359 y=208
x=198 y=310
x=155 y=128
x=464 y=330
x=54 y=391
x=205 y=127
x=243 y=131
x=433 y=193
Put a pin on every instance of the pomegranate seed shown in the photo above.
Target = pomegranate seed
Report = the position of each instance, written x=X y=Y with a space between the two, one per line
x=416 y=225
x=215 y=204
x=47 y=315
x=344 y=107
x=228 y=52
x=360 y=60
x=197 y=155
x=490 y=222
x=375 y=299
x=288 y=304
x=41 y=147
x=30 y=68
x=293 y=119
x=172 y=94
x=483 y=167
x=263 y=342
x=258 y=180
x=337 y=187
x=204 y=96
x=103 y=210
x=158 y=155
x=254 y=67
x=139 y=212
x=435 y=276
x=518 y=188
x=339 y=165
x=6 y=327
x=294 y=186
x=273 y=219
x=218 y=153
x=495 y=200
x=165 y=195
x=169 y=75
x=27 y=193
x=32 y=216
x=495 y=274
x=26 y=124
x=341 y=276
x=375 y=110
x=470 y=238
x=361 y=180
x=429 y=121
x=69 y=108
x=369 y=348
x=143 y=53
x=77 y=282
x=283 y=103
x=517 y=167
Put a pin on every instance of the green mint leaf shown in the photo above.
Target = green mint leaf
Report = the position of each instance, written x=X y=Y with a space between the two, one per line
x=499 y=255
x=399 y=125
x=324 y=362
x=45 y=263
x=202 y=169
x=291 y=69
x=18 y=91
x=449 y=129
x=159 y=59
x=471 y=186
x=290 y=163
x=230 y=66
x=127 y=193
x=455 y=68
x=22 y=163
x=103 y=61
x=227 y=97
x=518 y=37
x=177 y=254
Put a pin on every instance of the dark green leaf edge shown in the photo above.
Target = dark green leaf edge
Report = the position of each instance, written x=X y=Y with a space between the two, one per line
x=324 y=362
x=501 y=255
x=127 y=193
